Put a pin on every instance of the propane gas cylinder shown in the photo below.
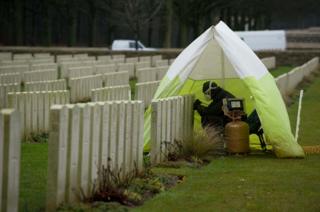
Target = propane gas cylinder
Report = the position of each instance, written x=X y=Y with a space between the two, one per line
x=237 y=137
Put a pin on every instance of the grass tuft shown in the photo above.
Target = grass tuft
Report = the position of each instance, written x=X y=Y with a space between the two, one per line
x=203 y=143
x=37 y=137
x=110 y=186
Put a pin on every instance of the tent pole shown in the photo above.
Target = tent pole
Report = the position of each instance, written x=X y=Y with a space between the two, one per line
x=298 y=117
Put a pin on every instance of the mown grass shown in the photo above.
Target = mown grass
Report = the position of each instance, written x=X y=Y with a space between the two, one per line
x=310 y=113
x=257 y=182
x=132 y=84
x=254 y=183
x=33 y=177
x=280 y=70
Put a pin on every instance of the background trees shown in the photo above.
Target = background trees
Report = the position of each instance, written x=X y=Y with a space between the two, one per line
x=158 y=23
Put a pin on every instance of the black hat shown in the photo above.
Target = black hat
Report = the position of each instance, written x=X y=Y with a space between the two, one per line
x=207 y=85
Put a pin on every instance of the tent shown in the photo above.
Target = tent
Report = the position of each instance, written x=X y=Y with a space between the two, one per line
x=220 y=55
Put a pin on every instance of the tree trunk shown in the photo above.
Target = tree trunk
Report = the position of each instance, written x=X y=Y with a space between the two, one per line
x=252 y=22
x=168 y=29
x=73 y=23
x=6 y=32
x=243 y=21
x=33 y=29
x=183 y=34
x=93 y=29
x=48 y=24
x=109 y=34
x=196 y=27
x=150 y=31
x=228 y=17
x=259 y=19
x=222 y=14
x=236 y=20
x=18 y=18
x=208 y=21
x=267 y=21
x=25 y=25
x=93 y=18
x=137 y=34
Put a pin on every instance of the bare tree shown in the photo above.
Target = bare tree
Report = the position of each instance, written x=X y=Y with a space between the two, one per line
x=67 y=12
x=138 y=13
x=18 y=19
x=100 y=11
x=169 y=20
x=47 y=18
x=73 y=24
x=93 y=18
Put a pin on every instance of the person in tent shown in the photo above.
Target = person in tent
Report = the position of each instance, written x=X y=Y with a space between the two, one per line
x=213 y=114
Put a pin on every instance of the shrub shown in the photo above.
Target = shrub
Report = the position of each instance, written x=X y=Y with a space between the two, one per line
x=110 y=186
x=37 y=137
x=84 y=100
x=203 y=143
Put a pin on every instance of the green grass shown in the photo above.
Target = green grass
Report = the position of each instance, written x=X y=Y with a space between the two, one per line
x=280 y=70
x=33 y=178
x=257 y=182
x=133 y=83
x=310 y=114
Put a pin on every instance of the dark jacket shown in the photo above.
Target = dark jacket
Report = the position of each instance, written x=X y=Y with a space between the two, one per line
x=213 y=114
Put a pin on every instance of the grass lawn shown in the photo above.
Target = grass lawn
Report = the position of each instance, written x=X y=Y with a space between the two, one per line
x=257 y=182
x=33 y=178
x=280 y=70
x=133 y=83
x=310 y=114
x=242 y=184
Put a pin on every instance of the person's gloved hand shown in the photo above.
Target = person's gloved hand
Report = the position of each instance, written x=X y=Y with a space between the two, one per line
x=196 y=104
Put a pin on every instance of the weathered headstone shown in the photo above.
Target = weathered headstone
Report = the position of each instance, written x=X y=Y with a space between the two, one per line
x=111 y=93
x=10 y=147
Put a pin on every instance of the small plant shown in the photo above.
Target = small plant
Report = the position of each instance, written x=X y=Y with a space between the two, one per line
x=150 y=185
x=146 y=161
x=37 y=137
x=203 y=143
x=84 y=100
x=110 y=186
x=132 y=84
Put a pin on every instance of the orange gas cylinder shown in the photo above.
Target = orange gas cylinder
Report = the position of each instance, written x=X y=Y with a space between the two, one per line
x=237 y=137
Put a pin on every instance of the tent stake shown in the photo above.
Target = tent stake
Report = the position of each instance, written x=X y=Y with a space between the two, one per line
x=298 y=116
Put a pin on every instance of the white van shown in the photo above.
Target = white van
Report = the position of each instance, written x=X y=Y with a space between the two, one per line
x=264 y=40
x=128 y=45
